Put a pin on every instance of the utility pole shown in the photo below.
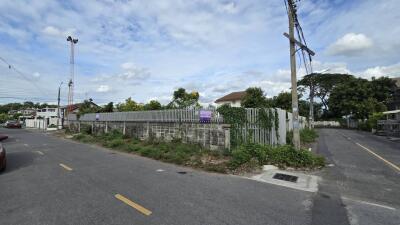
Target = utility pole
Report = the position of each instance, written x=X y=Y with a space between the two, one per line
x=295 y=104
x=58 y=106
x=71 y=81
x=293 y=42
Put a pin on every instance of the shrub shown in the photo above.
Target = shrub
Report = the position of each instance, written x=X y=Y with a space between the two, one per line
x=306 y=136
x=240 y=156
x=115 y=143
x=84 y=138
x=86 y=129
x=282 y=156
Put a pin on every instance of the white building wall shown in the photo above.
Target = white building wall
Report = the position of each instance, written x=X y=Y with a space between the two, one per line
x=47 y=113
x=236 y=103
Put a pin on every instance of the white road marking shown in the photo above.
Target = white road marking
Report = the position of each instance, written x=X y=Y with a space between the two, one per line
x=26 y=145
x=39 y=152
x=369 y=203
x=160 y=170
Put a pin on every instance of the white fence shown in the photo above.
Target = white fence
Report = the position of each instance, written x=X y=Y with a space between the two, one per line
x=41 y=123
x=251 y=130
x=326 y=124
x=173 y=115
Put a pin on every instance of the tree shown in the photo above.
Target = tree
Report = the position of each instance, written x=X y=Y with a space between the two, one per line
x=28 y=104
x=3 y=117
x=355 y=97
x=284 y=101
x=153 y=105
x=254 y=98
x=88 y=107
x=383 y=89
x=108 y=108
x=323 y=84
x=129 y=105
x=182 y=99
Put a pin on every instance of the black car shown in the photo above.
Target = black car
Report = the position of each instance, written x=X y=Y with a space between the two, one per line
x=13 y=124
x=3 y=158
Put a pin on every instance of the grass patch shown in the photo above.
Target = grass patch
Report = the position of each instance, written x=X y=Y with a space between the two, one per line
x=245 y=157
x=84 y=138
x=281 y=156
x=307 y=136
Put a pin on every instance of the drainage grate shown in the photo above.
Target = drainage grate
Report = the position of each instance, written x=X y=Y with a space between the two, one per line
x=285 y=177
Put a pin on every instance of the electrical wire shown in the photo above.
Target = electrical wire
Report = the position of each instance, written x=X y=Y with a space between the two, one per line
x=11 y=67
x=299 y=29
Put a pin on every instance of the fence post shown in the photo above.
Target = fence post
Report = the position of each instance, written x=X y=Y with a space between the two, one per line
x=106 y=128
x=124 y=129
x=148 y=130
x=92 y=127
x=227 y=136
x=79 y=126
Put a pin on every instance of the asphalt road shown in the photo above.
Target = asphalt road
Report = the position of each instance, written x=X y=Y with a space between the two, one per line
x=35 y=189
x=56 y=181
x=358 y=187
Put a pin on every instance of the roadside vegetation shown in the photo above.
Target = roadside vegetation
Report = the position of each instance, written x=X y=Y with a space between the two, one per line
x=307 y=136
x=244 y=158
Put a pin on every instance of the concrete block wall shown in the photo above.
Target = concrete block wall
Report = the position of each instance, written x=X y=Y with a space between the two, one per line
x=210 y=136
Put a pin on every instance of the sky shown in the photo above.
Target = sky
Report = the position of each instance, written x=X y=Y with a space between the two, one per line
x=148 y=49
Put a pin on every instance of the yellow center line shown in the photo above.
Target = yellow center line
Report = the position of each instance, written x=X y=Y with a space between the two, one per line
x=65 y=167
x=133 y=205
x=380 y=157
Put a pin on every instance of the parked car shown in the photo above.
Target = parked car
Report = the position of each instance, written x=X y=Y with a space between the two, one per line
x=13 y=124
x=3 y=137
x=3 y=158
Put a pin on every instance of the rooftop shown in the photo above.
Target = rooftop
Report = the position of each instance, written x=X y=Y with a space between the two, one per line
x=234 y=96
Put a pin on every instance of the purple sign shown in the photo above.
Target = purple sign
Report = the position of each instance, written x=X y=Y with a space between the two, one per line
x=205 y=116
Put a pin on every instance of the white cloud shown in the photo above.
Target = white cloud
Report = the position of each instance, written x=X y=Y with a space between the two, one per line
x=103 y=88
x=188 y=44
x=350 y=44
x=56 y=32
x=378 y=71
x=133 y=72
x=229 y=7
x=36 y=74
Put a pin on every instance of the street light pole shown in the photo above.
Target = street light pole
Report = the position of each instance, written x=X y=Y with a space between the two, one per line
x=71 y=81
x=58 y=106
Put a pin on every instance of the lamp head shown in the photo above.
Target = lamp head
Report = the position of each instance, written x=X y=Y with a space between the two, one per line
x=69 y=38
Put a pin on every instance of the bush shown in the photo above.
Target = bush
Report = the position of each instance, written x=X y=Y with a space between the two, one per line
x=115 y=143
x=86 y=129
x=306 y=136
x=84 y=138
x=281 y=156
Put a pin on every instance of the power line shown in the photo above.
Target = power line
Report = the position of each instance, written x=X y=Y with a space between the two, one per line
x=11 y=67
